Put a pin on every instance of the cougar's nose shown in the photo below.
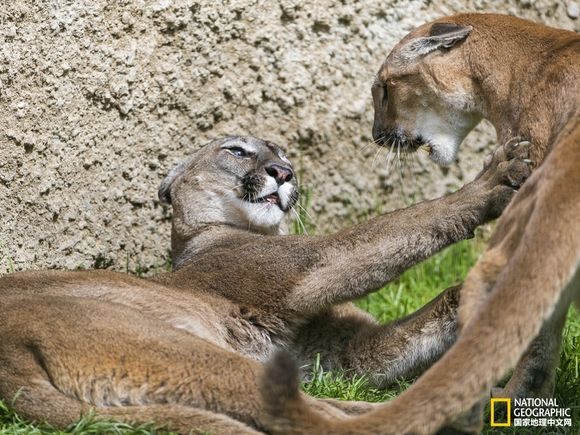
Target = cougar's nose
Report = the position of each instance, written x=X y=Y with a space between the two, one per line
x=280 y=173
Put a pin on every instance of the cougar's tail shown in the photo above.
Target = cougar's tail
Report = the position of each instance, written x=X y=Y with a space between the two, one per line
x=288 y=409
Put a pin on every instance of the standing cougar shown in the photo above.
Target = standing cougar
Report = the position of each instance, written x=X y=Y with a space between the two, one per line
x=434 y=87
x=185 y=349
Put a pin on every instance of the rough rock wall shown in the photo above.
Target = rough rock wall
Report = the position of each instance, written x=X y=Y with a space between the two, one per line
x=99 y=99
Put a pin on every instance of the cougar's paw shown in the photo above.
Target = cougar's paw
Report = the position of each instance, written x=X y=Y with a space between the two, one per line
x=504 y=172
x=509 y=165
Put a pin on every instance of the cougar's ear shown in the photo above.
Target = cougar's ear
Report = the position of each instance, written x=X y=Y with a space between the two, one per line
x=164 y=191
x=441 y=35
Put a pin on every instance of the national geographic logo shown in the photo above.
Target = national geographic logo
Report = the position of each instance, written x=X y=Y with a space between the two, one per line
x=528 y=412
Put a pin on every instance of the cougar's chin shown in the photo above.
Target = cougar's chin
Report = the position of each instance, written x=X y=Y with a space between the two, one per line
x=266 y=213
x=443 y=134
x=265 y=209
x=442 y=152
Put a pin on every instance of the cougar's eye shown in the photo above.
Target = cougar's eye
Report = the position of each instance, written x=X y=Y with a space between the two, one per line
x=239 y=152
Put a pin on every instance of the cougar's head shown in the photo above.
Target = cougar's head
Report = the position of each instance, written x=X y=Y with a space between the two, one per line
x=240 y=181
x=423 y=94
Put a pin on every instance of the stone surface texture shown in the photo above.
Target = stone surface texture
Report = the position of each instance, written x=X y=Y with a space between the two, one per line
x=100 y=99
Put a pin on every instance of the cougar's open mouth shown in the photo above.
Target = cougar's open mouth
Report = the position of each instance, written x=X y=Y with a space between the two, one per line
x=272 y=198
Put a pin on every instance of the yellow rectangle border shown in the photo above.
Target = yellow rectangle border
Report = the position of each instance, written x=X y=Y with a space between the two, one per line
x=492 y=421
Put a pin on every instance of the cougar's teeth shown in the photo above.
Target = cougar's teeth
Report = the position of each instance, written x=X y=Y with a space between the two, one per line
x=273 y=198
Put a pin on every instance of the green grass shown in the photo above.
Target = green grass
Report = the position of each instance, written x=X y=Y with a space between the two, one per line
x=412 y=290
x=12 y=424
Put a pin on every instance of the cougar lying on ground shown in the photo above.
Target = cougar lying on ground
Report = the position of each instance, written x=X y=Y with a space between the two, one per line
x=184 y=350
x=436 y=84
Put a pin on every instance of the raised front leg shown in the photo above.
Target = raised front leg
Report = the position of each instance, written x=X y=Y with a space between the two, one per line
x=301 y=275
x=347 y=339
x=408 y=346
x=361 y=259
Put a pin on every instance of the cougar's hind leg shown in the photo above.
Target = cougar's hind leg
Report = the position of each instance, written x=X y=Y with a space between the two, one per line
x=48 y=405
x=408 y=346
x=535 y=373
x=347 y=338
x=26 y=388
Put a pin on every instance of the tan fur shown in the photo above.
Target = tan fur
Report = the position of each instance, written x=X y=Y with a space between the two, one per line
x=515 y=299
x=184 y=350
